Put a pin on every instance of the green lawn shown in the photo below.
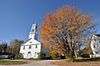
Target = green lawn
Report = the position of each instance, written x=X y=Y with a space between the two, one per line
x=11 y=62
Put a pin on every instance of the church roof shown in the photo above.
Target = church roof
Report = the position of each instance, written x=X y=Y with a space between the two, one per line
x=31 y=42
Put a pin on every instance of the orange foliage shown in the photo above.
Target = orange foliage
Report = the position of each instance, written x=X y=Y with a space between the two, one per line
x=63 y=25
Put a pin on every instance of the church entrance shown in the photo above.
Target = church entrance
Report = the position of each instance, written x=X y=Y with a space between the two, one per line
x=29 y=55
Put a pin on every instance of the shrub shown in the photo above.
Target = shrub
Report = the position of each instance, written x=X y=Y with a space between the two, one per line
x=18 y=56
x=54 y=55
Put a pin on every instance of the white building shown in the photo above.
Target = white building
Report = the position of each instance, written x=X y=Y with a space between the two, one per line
x=95 y=46
x=32 y=47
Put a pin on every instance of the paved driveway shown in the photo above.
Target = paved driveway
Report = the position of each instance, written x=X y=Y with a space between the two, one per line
x=35 y=63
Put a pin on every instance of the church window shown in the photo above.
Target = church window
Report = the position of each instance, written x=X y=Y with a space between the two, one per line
x=23 y=47
x=32 y=30
x=29 y=46
x=29 y=52
x=30 y=42
x=99 y=41
x=96 y=52
x=36 y=46
x=94 y=46
x=94 y=39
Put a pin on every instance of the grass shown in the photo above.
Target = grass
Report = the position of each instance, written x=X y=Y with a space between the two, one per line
x=11 y=62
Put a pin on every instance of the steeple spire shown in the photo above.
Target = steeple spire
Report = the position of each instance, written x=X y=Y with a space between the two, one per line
x=32 y=32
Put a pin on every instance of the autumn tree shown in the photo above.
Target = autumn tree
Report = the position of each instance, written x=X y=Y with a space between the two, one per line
x=64 y=30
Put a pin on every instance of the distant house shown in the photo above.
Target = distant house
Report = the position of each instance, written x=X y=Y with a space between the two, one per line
x=95 y=46
x=32 y=47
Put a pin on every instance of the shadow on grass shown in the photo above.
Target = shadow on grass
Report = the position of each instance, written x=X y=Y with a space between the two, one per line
x=8 y=62
x=86 y=59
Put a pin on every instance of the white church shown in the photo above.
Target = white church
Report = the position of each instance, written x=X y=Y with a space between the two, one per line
x=32 y=47
x=95 y=46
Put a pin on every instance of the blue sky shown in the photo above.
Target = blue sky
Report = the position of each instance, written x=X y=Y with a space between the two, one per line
x=17 y=16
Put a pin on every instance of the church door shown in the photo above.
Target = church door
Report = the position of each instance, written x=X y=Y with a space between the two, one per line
x=29 y=55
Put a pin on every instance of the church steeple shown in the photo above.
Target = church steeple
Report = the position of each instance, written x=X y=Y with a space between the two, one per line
x=32 y=32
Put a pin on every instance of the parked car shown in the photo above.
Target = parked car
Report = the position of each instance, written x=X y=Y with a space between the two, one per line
x=5 y=55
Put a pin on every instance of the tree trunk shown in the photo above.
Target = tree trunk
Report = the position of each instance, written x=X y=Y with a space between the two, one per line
x=75 y=54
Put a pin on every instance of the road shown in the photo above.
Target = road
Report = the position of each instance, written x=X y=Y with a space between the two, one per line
x=35 y=63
